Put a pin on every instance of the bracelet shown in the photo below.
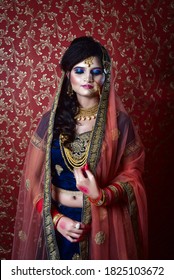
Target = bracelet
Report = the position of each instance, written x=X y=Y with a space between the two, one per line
x=100 y=200
x=115 y=192
x=97 y=199
x=108 y=196
x=56 y=219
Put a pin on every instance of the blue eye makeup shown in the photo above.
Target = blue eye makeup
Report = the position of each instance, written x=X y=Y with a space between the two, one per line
x=96 y=71
x=79 y=70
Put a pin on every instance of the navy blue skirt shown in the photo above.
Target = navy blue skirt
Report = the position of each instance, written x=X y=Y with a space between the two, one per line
x=67 y=249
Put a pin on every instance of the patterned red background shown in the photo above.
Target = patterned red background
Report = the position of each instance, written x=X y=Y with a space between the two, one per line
x=139 y=36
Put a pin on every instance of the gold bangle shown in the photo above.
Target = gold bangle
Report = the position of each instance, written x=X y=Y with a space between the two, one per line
x=94 y=201
x=56 y=219
x=102 y=200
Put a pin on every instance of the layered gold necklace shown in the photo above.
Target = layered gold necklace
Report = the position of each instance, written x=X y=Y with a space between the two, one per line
x=87 y=114
x=77 y=153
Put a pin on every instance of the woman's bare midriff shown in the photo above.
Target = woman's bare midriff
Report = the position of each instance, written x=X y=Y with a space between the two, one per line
x=67 y=198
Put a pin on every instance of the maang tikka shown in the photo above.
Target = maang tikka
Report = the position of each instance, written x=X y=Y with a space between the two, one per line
x=89 y=61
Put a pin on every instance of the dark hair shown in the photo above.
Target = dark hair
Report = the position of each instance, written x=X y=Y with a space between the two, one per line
x=79 y=49
x=68 y=106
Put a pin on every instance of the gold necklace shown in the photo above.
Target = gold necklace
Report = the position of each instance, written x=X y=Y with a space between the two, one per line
x=87 y=114
x=69 y=158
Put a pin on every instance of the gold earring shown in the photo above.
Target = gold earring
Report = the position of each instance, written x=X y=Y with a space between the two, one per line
x=70 y=90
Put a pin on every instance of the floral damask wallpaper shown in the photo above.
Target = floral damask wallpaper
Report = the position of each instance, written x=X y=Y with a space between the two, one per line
x=140 y=38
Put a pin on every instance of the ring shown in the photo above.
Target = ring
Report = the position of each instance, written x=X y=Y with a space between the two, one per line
x=77 y=226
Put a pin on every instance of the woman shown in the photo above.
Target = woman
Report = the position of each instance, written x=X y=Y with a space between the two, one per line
x=82 y=195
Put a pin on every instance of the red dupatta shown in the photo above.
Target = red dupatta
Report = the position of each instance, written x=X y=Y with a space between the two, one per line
x=120 y=231
x=116 y=155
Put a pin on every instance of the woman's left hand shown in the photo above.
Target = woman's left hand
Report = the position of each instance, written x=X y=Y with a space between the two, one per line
x=86 y=182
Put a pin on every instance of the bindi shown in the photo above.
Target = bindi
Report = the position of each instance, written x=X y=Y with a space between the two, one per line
x=89 y=61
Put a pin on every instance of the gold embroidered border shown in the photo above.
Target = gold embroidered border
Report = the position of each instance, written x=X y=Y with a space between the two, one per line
x=133 y=211
x=51 y=244
x=94 y=154
x=38 y=142
x=131 y=148
x=86 y=219
x=98 y=132
x=115 y=191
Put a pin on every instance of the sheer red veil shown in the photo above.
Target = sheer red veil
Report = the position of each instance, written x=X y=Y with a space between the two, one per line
x=116 y=155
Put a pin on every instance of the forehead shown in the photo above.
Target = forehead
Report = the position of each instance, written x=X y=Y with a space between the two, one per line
x=94 y=62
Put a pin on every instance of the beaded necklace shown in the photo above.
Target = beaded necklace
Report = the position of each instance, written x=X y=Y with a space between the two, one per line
x=87 y=114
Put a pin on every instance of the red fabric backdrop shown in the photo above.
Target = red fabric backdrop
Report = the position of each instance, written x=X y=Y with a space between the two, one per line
x=139 y=36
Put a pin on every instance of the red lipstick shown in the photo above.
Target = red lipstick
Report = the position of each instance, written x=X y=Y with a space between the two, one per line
x=87 y=86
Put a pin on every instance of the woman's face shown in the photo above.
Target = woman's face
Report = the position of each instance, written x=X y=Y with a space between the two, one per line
x=87 y=77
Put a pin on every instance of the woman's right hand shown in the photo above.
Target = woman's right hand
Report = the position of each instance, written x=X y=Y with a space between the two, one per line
x=67 y=227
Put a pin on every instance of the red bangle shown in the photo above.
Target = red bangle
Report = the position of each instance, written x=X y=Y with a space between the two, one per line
x=56 y=216
x=109 y=196
x=97 y=199
x=100 y=201
x=119 y=188
x=56 y=219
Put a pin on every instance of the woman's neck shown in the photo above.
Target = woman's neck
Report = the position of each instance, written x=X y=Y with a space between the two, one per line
x=88 y=102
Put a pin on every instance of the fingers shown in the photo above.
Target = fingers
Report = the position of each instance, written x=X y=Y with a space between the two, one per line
x=82 y=173
x=74 y=235
x=69 y=226
x=81 y=180
x=86 y=184
x=85 y=167
x=71 y=239
x=89 y=175
x=78 y=173
x=71 y=230
x=82 y=236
